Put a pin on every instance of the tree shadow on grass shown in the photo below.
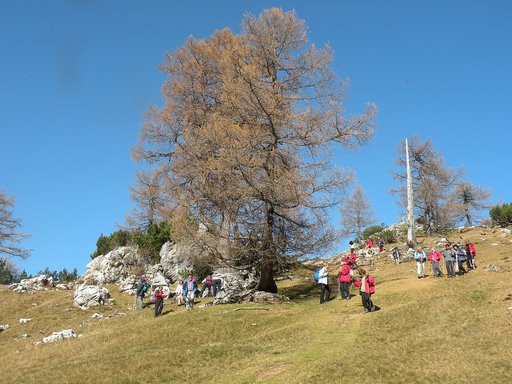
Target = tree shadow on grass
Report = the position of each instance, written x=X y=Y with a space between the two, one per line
x=301 y=292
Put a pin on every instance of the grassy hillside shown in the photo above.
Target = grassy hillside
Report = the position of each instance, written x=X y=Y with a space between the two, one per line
x=428 y=331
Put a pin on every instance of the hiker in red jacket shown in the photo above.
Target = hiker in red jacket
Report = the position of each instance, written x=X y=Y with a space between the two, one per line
x=159 y=300
x=471 y=254
x=434 y=259
x=345 y=275
x=352 y=260
x=367 y=289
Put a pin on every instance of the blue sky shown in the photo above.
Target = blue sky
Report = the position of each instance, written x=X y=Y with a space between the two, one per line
x=77 y=76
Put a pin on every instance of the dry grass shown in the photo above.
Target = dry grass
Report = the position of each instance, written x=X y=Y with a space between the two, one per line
x=428 y=331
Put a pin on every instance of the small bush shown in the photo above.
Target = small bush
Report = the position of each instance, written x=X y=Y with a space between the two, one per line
x=388 y=235
x=501 y=214
x=372 y=231
x=151 y=241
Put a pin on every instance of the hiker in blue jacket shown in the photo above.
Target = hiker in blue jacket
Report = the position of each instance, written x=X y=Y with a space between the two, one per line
x=189 y=291
x=420 y=257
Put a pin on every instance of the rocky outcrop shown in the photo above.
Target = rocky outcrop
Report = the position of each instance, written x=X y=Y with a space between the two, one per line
x=38 y=283
x=123 y=265
x=60 y=335
x=112 y=267
x=90 y=295
x=173 y=261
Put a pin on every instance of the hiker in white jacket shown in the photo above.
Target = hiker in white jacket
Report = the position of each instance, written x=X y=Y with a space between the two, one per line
x=323 y=280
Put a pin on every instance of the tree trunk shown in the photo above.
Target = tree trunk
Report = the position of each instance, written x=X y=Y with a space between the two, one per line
x=411 y=226
x=267 y=283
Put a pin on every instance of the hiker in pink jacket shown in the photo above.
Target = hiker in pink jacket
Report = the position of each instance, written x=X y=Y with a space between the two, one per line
x=434 y=258
x=345 y=275
x=471 y=254
x=367 y=289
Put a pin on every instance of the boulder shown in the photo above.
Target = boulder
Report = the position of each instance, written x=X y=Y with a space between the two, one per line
x=38 y=283
x=60 y=335
x=237 y=287
x=127 y=285
x=173 y=261
x=90 y=295
x=505 y=232
x=24 y=321
x=112 y=267
x=4 y=327
x=97 y=316
x=62 y=287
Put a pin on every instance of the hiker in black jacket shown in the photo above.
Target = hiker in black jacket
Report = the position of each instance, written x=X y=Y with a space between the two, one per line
x=142 y=287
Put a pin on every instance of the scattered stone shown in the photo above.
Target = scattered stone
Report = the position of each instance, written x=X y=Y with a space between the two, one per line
x=80 y=335
x=36 y=342
x=97 y=316
x=24 y=321
x=38 y=283
x=505 y=232
x=494 y=244
x=61 y=335
x=90 y=295
x=4 y=327
x=492 y=268
x=62 y=287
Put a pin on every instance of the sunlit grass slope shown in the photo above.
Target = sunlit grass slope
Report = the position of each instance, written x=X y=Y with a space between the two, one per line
x=427 y=331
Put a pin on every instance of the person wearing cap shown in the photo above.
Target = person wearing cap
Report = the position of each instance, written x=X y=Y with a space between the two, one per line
x=420 y=258
x=448 y=260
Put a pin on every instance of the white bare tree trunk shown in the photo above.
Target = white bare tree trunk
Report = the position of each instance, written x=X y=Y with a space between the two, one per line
x=411 y=226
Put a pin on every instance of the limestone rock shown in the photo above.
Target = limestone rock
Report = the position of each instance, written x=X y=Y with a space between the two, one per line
x=266 y=297
x=90 y=295
x=127 y=285
x=492 y=268
x=38 y=283
x=505 y=232
x=4 y=327
x=112 y=267
x=174 y=261
x=97 y=316
x=237 y=287
x=61 y=335
x=24 y=321
x=62 y=287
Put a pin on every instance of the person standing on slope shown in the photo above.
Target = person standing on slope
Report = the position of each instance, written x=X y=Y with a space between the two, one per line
x=460 y=257
x=471 y=254
x=420 y=257
x=323 y=281
x=435 y=258
x=345 y=275
x=142 y=288
x=189 y=291
x=159 y=300
x=367 y=289
x=448 y=260
x=178 y=292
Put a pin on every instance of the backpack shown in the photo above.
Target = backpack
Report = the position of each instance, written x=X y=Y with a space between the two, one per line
x=317 y=275
x=371 y=284
x=145 y=288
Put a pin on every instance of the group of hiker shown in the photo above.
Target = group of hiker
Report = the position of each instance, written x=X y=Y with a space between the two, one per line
x=365 y=282
x=454 y=258
x=454 y=255
x=184 y=293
